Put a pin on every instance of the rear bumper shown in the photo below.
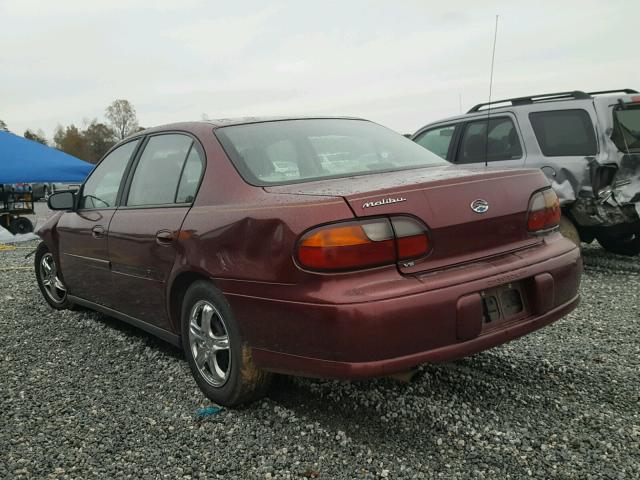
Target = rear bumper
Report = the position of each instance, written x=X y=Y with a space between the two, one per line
x=440 y=320
x=295 y=364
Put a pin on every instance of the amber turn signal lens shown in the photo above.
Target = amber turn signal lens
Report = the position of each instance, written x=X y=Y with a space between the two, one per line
x=362 y=244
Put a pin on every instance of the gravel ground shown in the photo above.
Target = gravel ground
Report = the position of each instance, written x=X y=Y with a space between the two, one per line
x=85 y=396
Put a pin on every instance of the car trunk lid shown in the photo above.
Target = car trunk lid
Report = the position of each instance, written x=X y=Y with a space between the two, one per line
x=442 y=197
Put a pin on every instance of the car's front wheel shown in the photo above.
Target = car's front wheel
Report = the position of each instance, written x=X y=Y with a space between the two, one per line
x=49 y=280
x=219 y=358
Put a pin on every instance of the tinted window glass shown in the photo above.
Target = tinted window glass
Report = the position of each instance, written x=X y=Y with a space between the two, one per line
x=564 y=133
x=101 y=188
x=190 y=178
x=503 y=142
x=437 y=140
x=269 y=153
x=157 y=174
x=626 y=131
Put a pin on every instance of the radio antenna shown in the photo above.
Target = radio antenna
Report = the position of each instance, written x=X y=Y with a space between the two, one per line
x=493 y=58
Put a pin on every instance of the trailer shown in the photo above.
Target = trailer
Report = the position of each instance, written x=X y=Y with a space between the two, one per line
x=16 y=200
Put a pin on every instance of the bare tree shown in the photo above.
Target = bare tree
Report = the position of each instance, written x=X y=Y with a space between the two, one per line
x=38 y=136
x=122 y=117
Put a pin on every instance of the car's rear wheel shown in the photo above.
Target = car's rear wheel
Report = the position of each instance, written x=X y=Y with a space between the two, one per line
x=627 y=244
x=49 y=280
x=219 y=358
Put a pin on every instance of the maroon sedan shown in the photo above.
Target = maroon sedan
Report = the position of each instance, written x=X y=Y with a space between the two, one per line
x=323 y=246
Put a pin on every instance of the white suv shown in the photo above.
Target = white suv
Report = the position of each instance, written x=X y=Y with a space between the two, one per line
x=588 y=144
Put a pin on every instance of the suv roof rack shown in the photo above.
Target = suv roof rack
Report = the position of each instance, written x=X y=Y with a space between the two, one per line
x=548 y=97
x=545 y=97
x=621 y=90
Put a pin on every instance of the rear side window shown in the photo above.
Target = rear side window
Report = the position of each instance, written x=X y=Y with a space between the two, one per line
x=190 y=178
x=101 y=189
x=626 y=131
x=157 y=175
x=564 y=133
x=500 y=143
x=437 y=140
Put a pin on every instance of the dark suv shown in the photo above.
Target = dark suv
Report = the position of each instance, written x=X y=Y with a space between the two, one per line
x=588 y=144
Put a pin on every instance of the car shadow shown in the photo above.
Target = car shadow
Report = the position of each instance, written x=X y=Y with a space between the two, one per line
x=441 y=400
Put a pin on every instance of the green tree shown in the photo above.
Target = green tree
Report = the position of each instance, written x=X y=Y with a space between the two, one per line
x=3 y=126
x=122 y=117
x=35 y=136
x=99 y=139
x=72 y=141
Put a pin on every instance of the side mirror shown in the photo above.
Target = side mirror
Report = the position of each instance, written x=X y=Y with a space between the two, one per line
x=62 y=201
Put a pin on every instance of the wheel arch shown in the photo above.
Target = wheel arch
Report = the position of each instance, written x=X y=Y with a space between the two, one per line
x=177 y=290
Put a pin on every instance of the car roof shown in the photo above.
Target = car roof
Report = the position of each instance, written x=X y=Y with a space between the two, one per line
x=227 y=122
x=563 y=99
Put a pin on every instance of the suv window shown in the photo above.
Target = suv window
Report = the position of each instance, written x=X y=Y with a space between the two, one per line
x=155 y=181
x=503 y=142
x=626 y=130
x=437 y=140
x=101 y=188
x=563 y=133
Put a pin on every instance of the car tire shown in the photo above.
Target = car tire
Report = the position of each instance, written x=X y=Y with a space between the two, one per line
x=20 y=225
x=569 y=230
x=219 y=358
x=51 y=286
x=628 y=245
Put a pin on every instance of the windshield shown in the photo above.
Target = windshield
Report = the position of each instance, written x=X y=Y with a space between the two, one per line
x=626 y=131
x=292 y=151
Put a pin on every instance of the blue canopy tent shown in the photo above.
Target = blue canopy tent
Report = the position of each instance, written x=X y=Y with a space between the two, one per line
x=26 y=161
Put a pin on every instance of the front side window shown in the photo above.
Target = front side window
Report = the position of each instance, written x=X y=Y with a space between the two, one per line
x=501 y=142
x=564 y=133
x=292 y=151
x=626 y=130
x=101 y=188
x=157 y=175
x=437 y=140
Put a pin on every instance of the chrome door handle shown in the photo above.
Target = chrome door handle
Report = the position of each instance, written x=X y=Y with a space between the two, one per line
x=164 y=237
x=97 y=231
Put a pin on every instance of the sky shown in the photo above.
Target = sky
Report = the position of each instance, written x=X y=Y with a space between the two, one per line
x=401 y=63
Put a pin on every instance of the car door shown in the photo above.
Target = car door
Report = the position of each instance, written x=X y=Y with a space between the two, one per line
x=82 y=233
x=144 y=230
x=501 y=146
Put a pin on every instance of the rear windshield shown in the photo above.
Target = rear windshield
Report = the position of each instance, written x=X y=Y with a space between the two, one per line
x=293 y=151
x=626 y=131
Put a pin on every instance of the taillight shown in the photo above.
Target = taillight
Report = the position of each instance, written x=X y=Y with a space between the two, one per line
x=411 y=238
x=544 y=211
x=363 y=243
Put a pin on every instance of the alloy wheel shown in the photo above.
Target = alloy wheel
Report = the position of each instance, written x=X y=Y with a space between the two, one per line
x=209 y=342
x=53 y=286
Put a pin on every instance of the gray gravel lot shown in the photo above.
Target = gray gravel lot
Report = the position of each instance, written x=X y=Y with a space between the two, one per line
x=85 y=396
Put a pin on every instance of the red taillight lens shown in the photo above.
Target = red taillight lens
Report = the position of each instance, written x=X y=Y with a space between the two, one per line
x=362 y=244
x=411 y=238
x=544 y=211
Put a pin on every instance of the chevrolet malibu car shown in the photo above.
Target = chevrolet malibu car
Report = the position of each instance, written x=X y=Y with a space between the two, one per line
x=328 y=247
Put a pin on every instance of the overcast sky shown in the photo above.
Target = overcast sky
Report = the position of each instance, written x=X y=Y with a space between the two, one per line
x=401 y=63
